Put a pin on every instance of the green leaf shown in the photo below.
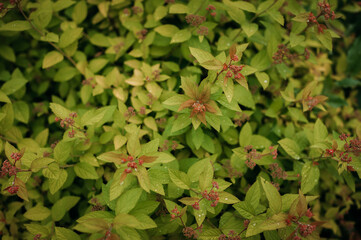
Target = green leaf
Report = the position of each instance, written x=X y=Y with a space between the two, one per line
x=39 y=163
x=253 y=195
x=210 y=234
x=128 y=200
x=247 y=6
x=85 y=171
x=197 y=137
x=273 y=196
x=14 y=84
x=34 y=228
x=123 y=219
x=326 y=39
x=4 y=98
x=98 y=116
x=178 y=8
x=244 y=96
x=263 y=79
x=181 y=36
x=69 y=36
x=143 y=178
x=296 y=39
x=65 y=234
x=62 y=151
x=206 y=177
x=245 y=209
x=214 y=121
x=80 y=12
x=206 y=59
x=297 y=114
x=59 y=110
x=92 y=225
x=16 y=26
x=50 y=37
x=62 y=206
x=37 y=213
x=179 y=178
x=7 y=53
x=52 y=171
x=249 y=28
x=310 y=176
x=181 y=122
x=133 y=145
x=21 y=111
x=160 y=12
x=56 y=183
x=65 y=74
x=291 y=148
x=320 y=131
x=145 y=222
x=225 y=197
x=52 y=58
x=167 y=30
x=245 y=135
x=253 y=226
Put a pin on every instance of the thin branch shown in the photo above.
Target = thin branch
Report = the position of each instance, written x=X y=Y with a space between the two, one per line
x=7 y=139
x=254 y=18
x=43 y=35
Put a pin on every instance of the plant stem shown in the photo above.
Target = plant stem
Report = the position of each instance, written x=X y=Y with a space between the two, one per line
x=42 y=34
x=254 y=18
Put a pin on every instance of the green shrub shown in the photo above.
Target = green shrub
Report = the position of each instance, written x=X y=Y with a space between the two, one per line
x=173 y=119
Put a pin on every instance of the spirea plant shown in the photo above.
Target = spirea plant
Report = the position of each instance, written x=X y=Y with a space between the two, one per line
x=175 y=119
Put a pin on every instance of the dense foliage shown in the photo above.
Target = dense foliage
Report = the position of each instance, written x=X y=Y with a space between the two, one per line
x=175 y=119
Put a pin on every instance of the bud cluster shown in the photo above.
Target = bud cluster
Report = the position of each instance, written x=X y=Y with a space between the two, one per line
x=277 y=171
x=326 y=10
x=198 y=107
x=37 y=237
x=212 y=196
x=243 y=118
x=141 y=34
x=202 y=31
x=252 y=154
x=306 y=229
x=211 y=9
x=189 y=232
x=137 y=10
x=12 y=189
x=88 y=81
x=68 y=122
x=132 y=163
x=232 y=235
x=130 y=112
x=283 y=54
x=165 y=146
x=151 y=98
x=175 y=213
x=352 y=146
x=12 y=2
x=274 y=152
x=8 y=169
x=312 y=102
x=195 y=20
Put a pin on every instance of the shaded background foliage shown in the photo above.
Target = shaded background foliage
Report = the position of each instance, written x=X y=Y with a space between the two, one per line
x=96 y=100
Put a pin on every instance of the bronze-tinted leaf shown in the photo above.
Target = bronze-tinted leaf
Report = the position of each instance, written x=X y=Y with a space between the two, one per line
x=233 y=50
x=186 y=104
x=148 y=159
